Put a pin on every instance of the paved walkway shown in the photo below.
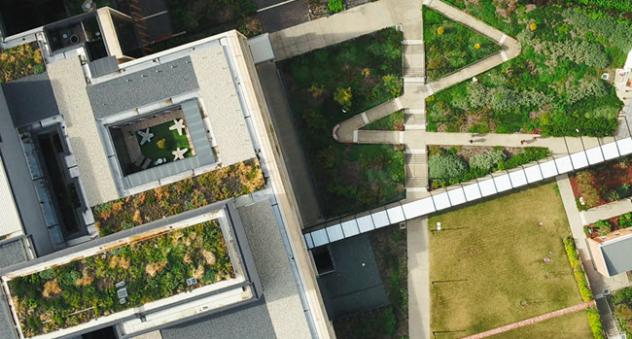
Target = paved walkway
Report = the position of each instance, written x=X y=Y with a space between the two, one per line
x=607 y=211
x=418 y=279
x=531 y=321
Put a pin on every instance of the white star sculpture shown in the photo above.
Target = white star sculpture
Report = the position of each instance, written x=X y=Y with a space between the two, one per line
x=177 y=125
x=178 y=154
x=145 y=136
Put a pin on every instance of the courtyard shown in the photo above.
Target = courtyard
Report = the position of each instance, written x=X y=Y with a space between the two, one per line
x=502 y=261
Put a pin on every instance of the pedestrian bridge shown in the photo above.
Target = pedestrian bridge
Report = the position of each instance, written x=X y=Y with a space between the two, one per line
x=446 y=198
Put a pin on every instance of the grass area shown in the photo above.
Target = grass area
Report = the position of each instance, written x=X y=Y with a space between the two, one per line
x=451 y=46
x=329 y=85
x=164 y=201
x=500 y=261
x=553 y=87
x=568 y=326
x=452 y=165
x=20 y=61
x=152 y=268
x=393 y=122
x=164 y=142
x=389 y=248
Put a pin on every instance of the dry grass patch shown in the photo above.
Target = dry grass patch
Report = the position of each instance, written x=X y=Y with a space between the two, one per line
x=500 y=261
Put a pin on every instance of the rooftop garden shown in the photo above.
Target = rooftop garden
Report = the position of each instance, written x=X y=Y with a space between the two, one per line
x=554 y=87
x=221 y=184
x=604 y=227
x=452 y=165
x=498 y=262
x=603 y=183
x=20 y=61
x=329 y=85
x=147 y=270
x=451 y=46
x=622 y=303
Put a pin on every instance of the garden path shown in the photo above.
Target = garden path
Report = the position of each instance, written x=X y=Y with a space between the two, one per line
x=531 y=321
x=606 y=211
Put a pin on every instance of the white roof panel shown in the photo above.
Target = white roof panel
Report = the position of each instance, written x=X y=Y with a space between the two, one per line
x=380 y=219
x=518 y=178
x=610 y=150
x=502 y=182
x=417 y=208
x=335 y=232
x=350 y=228
x=579 y=160
x=594 y=155
x=625 y=146
x=487 y=187
x=320 y=237
x=441 y=200
x=548 y=169
x=564 y=164
x=365 y=223
x=457 y=196
x=472 y=191
x=533 y=173
x=395 y=214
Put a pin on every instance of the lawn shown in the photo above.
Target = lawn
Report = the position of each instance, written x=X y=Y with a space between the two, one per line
x=554 y=86
x=181 y=196
x=451 y=46
x=500 y=261
x=164 y=142
x=329 y=85
x=452 y=165
x=568 y=326
x=389 y=248
x=152 y=268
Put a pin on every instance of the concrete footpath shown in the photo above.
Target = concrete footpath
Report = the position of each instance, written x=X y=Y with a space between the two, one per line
x=418 y=279
x=606 y=211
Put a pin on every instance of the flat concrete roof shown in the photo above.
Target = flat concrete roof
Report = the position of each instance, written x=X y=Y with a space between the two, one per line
x=30 y=99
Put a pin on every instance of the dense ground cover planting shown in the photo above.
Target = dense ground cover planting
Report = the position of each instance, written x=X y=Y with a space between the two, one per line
x=224 y=183
x=450 y=45
x=20 y=61
x=152 y=269
x=553 y=87
x=389 y=248
x=622 y=302
x=452 y=165
x=498 y=262
x=603 y=183
x=603 y=227
x=330 y=85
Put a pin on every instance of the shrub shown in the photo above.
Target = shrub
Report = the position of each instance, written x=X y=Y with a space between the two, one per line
x=603 y=227
x=578 y=271
x=343 y=97
x=594 y=321
x=625 y=220
x=446 y=166
x=487 y=161
x=336 y=6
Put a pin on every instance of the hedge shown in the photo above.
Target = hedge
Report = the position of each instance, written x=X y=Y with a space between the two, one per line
x=594 y=321
x=578 y=271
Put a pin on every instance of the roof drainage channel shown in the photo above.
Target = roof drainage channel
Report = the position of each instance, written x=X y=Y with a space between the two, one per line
x=455 y=195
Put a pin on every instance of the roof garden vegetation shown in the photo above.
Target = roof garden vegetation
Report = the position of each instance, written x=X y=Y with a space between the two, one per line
x=20 y=61
x=452 y=165
x=224 y=183
x=329 y=85
x=451 y=46
x=554 y=86
x=150 y=269
x=503 y=245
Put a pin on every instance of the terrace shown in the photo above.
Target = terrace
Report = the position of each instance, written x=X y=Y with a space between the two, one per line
x=196 y=256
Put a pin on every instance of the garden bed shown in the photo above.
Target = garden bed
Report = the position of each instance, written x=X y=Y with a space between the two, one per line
x=622 y=303
x=329 y=85
x=151 y=269
x=451 y=46
x=602 y=184
x=452 y=165
x=389 y=247
x=393 y=122
x=553 y=87
x=20 y=61
x=604 y=227
x=221 y=184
